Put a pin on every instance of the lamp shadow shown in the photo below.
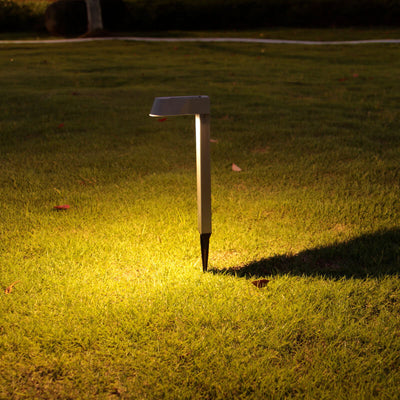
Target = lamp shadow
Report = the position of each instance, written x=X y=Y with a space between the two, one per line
x=371 y=255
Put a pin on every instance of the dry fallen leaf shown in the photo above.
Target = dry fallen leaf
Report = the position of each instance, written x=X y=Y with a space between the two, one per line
x=260 y=150
x=62 y=207
x=260 y=283
x=236 y=168
x=9 y=289
x=213 y=141
x=87 y=181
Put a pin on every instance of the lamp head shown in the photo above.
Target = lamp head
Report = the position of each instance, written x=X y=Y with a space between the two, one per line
x=180 y=105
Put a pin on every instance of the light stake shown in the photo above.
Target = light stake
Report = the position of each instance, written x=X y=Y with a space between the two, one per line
x=200 y=107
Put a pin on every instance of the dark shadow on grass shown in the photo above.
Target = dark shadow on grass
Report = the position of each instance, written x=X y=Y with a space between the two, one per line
x=372 y=255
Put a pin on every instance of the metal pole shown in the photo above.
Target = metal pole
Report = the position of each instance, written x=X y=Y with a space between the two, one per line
x=203 y=171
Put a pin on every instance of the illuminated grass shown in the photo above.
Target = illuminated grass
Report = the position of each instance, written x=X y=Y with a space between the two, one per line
x=112 y=301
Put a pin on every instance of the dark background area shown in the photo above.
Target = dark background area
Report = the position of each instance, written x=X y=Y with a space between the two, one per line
x=143 y=15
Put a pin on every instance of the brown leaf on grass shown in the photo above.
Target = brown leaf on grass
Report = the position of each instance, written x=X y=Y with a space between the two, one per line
x=236 y=168
x=213 y=140
x=10 y=288
x=260 y=150
x=87 y=181
x=260 y=283
x=62 y=207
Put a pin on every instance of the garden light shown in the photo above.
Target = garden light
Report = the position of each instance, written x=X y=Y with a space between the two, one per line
x=200 y=107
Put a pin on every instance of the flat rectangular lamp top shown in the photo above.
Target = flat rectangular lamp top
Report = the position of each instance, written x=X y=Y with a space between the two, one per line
x=180 y=105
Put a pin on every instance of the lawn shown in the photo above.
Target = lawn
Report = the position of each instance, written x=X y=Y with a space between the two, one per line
x=110 y=300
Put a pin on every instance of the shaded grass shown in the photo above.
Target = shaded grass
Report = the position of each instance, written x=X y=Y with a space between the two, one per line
x=111 y=301
x=354 y=33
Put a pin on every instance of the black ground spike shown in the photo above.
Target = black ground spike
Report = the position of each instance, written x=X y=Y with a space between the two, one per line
x=205 y=243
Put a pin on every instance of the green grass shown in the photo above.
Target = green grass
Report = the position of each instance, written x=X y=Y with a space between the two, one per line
x=111 y=301
x=356 y=33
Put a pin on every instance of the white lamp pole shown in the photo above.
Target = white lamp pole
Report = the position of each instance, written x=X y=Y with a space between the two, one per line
x=200 y=107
